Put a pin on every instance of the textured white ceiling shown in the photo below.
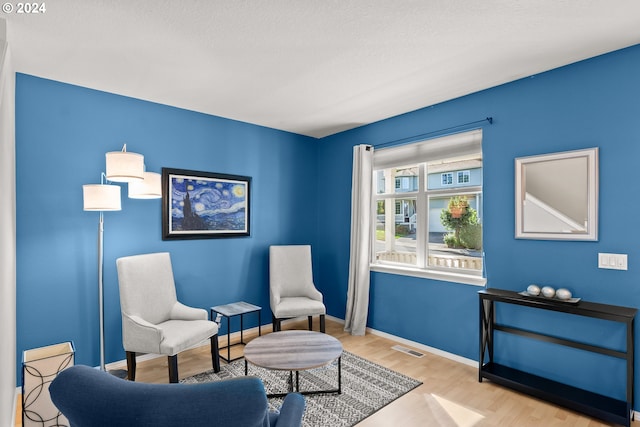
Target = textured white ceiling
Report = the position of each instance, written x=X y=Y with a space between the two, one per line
x=314 y=67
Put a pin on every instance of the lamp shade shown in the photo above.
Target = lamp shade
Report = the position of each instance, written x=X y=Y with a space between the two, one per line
x=123 y=166
x=101 y=197
x=149 y=188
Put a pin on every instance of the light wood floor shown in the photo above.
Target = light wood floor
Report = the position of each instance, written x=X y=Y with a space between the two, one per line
x=455 y=382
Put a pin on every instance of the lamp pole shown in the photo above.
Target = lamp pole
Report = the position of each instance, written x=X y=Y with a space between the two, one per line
x=100 y=285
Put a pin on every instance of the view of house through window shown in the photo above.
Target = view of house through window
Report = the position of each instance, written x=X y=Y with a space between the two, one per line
x=429 y=213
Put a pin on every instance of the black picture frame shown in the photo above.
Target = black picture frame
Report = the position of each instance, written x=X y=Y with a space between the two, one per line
x=204 y=205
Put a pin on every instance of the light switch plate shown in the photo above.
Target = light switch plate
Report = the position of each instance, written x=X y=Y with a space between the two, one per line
x=612 y=261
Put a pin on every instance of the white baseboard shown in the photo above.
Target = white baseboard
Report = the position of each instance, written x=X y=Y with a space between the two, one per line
x=417 y=345
x=426 y=348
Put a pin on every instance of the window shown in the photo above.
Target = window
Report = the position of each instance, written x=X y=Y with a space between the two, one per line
x=464 y=177
x=407 y=182
x=429 y=223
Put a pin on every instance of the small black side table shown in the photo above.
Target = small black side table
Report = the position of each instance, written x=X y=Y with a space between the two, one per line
x=234 y=309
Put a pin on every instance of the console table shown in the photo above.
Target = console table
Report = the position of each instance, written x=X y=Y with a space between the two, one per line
x=592 y=404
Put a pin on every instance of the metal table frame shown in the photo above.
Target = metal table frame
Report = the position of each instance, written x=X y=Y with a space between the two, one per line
x=296 y=389
x=231 y=310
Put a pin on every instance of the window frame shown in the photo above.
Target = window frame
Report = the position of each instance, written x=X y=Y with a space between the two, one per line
x=465 y=173
x=449 y=178
x=422 y=196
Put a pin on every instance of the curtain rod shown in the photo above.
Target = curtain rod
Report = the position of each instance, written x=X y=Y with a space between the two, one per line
x=424 y=135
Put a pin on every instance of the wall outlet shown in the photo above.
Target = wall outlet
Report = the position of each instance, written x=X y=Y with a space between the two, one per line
x=612 y=261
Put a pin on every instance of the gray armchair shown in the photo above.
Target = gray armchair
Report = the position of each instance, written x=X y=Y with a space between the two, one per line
x=153 y=321
x=291 y=288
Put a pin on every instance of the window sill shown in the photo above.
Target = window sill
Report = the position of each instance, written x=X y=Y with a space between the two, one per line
x=429 y=274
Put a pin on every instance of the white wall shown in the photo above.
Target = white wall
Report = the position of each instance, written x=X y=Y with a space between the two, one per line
x=7 y=232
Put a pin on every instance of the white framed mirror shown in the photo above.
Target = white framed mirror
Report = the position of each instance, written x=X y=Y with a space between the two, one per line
x=557 y=196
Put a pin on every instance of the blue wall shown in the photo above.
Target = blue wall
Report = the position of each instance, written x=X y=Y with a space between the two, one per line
x=587 y=104
x=63 y=133
x=301 y=194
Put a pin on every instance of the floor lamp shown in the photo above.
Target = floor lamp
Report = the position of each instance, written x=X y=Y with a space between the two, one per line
x=101 y=197
x=121 y=166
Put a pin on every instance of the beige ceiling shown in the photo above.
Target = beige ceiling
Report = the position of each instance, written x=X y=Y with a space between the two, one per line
x=314 y=67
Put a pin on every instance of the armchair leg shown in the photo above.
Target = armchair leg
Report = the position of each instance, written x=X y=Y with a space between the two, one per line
x=310 y=319
x=277 y=326
x=173 y=368
x=131 y=365
x=322 y=323
x=215 y=353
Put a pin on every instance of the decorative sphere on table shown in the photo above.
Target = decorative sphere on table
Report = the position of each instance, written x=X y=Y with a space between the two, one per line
x=533 y=290
x=563 y=294
x=548 y=292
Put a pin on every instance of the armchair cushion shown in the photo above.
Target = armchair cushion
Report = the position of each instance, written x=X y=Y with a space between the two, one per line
x=92 y=398
x=298 y=306
x=179 y=335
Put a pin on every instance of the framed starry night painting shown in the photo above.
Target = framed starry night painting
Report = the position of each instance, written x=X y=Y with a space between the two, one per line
x=202 y=205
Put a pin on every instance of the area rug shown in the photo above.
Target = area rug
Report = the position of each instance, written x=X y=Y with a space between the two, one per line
x=366 y=387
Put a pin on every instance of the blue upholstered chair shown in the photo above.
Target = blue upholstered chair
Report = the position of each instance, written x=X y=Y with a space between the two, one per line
x=93 y=398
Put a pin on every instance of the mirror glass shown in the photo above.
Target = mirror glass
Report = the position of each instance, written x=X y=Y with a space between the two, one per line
x=557 y=196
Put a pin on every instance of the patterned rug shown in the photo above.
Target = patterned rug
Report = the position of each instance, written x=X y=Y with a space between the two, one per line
x=366 y=387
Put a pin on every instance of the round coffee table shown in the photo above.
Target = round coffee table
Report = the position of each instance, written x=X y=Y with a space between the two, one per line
x=294 y=351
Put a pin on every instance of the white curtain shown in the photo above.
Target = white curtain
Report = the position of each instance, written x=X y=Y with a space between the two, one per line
x=7 y=232
x=361 y=211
